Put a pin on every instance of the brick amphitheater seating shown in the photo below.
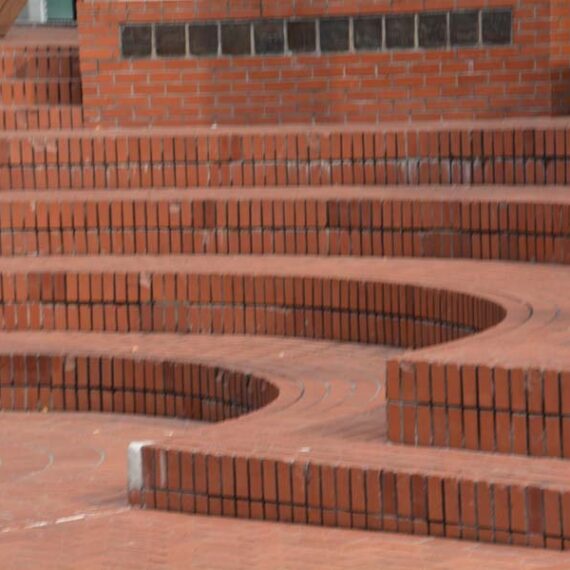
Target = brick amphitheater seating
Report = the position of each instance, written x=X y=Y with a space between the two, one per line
x=204 y=274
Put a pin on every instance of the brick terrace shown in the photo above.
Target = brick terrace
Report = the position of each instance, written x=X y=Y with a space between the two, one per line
x=357 y=327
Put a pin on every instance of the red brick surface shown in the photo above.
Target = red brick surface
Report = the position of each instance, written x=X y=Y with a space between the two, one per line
x=529 y=77
x=491 y=152
x=83 y=522
x=41 y=82
x=252 y=438
x=507 y=223
x=292 y=358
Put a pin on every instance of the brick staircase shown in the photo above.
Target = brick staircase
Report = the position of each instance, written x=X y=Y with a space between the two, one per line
x=393 y=299
x=41 y=82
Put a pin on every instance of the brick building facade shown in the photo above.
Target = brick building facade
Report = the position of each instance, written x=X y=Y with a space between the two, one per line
x=369 y=61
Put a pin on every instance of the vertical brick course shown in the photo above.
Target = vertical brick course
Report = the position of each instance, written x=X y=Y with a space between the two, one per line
x=395 y=500
x=486 y=408
x=523 y=153
x=180 y=223
x=171 y=389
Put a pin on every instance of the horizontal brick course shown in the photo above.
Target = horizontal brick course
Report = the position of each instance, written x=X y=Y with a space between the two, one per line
x=520 y=153
x=128 y=386
x=486 y=408
x=351 y=222
x=358 y=498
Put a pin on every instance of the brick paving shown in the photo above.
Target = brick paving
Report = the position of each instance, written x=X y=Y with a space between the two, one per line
x=84 y=520
x=345 y=420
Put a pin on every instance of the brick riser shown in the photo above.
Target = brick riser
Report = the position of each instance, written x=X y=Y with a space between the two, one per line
x=505 y=227
x=36 y=91
x=41 y=117
x=111 y=301
x=330 y=495
x=21 y=61
x=41 y=88
x=432 y=154
x=484 y=408
x=129 y=386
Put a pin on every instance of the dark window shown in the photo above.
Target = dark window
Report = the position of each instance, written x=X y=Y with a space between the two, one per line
x=464 y=28
x=203 y=39
x=432 y=30
x=334 y=35
x=236 y=39
x=400 y=31
x=170 y=40
x=302 y=36
x=269 y=37
x=497 y=26
x=367 y=33
x=136 y=41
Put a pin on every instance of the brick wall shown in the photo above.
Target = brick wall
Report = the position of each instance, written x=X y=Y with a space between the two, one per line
x=506 y=68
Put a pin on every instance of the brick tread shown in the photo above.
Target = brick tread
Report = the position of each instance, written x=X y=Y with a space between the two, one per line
x=57 y=37
x=344 y=427
x=133 y=536
x=544 y=123
x=465 y=194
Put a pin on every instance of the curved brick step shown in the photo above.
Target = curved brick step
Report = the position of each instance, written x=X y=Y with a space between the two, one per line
x=191 y=378
x=521 y=152
x=348 y=300
x=300 y=459
x=304 y=297
x=67 y=376
x=132 y=534
x=501 y=498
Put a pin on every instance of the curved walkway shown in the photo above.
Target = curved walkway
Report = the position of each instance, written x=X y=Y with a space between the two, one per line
x=326 y=427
